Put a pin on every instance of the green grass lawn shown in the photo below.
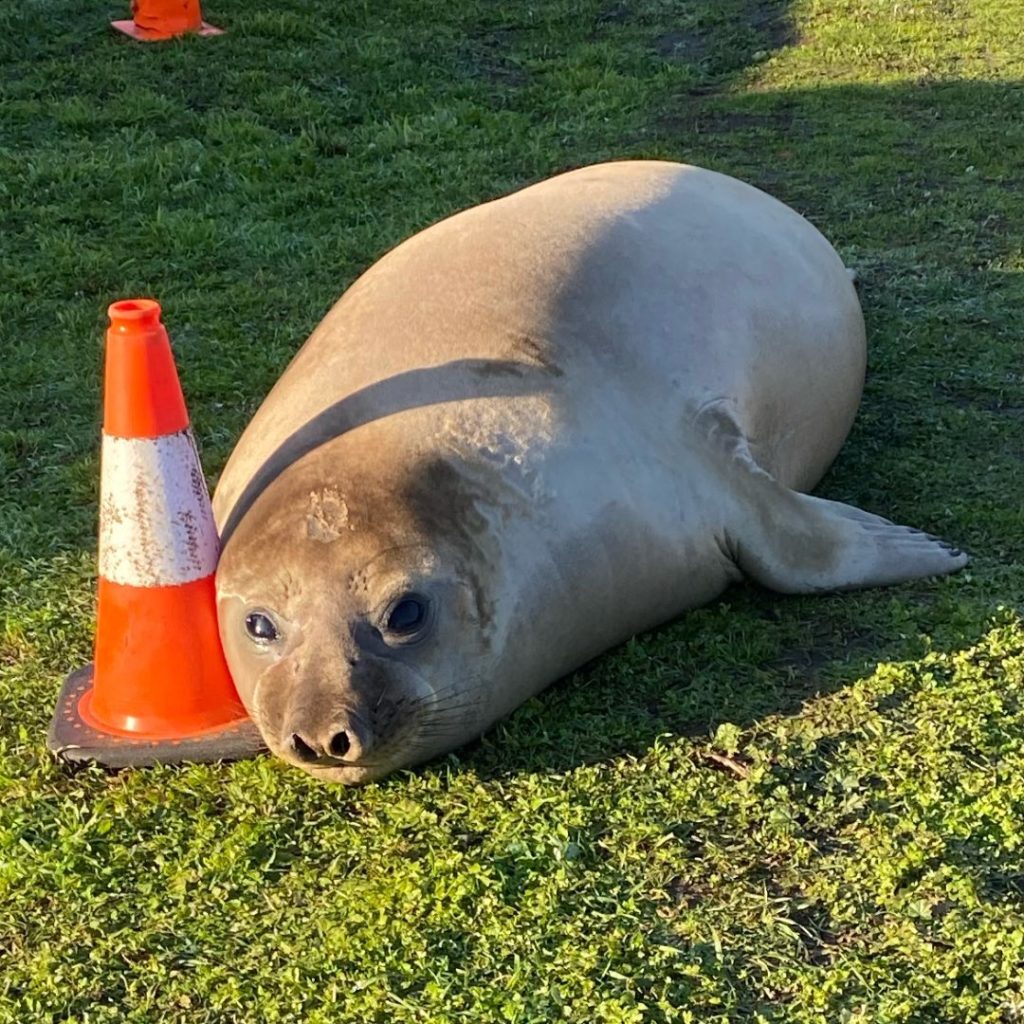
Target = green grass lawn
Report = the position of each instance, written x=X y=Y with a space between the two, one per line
x=775 y=809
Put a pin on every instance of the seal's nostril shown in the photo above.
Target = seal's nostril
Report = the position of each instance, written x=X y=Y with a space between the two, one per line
x=303 y=751
x=340 y=744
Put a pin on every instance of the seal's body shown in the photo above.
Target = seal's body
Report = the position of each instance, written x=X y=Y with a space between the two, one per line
x=527 y=433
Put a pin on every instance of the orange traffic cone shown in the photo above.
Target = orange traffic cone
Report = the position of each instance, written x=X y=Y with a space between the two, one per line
x=153 y=20
x=159 y=689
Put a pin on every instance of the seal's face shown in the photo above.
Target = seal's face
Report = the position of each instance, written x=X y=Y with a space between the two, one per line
x=356 y=634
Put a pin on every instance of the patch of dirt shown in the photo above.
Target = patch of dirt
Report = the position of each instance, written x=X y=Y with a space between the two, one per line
x=978 y=399
x=691 y=47
x=685 y=894
x=820 y=650
x=486 y=57
x=698 y=118
x=815 y=930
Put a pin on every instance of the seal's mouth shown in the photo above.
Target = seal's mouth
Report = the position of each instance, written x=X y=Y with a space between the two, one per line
x=347 y=774
x=330 y=765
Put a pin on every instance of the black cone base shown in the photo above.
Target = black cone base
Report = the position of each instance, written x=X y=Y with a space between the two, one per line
x=73 y=740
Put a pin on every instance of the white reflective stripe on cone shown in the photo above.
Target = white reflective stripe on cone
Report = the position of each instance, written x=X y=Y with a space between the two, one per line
x=156 y=524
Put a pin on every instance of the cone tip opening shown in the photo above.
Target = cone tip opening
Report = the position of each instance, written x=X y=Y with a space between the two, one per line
x=129 y=313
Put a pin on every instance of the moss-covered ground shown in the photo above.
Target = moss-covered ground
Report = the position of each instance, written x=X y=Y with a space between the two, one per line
x=773 y=810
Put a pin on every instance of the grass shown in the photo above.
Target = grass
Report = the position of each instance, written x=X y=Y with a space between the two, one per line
x=772 y=810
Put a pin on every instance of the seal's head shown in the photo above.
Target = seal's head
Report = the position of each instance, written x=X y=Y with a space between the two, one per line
x=357 y=608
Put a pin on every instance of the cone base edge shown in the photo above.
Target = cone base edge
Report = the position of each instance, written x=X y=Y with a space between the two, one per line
x=72 y=740
x=142 y=35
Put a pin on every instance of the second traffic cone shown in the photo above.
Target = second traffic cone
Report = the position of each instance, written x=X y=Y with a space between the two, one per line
x=159 y=689
x=153 y=20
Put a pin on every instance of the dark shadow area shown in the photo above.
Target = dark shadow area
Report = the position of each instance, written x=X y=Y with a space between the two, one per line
x=688 y=677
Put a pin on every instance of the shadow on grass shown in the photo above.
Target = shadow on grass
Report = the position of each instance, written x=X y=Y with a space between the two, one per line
x=748 y=658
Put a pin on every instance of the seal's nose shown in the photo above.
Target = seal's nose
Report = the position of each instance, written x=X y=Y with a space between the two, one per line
x=335 y=743
x=304 y=750
x=340 y=744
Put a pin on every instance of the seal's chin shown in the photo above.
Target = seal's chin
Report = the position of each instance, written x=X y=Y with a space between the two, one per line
x=346 y=775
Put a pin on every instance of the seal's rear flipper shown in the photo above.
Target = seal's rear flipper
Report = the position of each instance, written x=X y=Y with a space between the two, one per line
x=798 y=544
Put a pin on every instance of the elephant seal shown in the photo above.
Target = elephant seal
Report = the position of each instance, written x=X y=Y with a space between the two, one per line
x=527 y=433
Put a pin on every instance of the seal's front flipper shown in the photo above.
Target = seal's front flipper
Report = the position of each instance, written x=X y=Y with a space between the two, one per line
x=797 y=544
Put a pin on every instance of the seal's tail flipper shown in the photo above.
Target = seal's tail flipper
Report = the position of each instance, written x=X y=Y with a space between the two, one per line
x=799 y=544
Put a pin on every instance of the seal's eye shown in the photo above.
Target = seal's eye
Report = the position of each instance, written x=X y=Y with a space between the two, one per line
x=408 y=615
x=260 y=627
